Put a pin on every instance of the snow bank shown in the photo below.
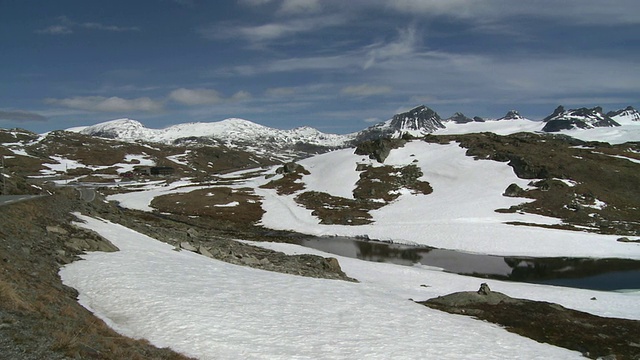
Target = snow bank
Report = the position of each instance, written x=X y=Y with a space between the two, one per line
x=213 y=310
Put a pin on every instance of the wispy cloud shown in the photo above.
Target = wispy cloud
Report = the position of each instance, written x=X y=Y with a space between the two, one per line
x=406 y=44
x=108 y=104
x=113 y=28
x=21 y=116
x=55 y=30
x=592 y=12
x=366 y=90
x=273 y=30
x=300 y=6
x=67 y=26
x=201 y=96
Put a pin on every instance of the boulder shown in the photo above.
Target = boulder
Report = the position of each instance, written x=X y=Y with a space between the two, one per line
x=187 y=246
x=514 y=190
x=484 y=289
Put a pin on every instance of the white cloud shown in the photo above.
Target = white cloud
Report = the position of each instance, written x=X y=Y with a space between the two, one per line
x=55 y=30
x=196 y=96
x=300 y=6
x=67 y=26
x=594 y=12
x=254 y=2
x=241 y=96
x=272 y=31
x=406 y=44
x=205 y=96
x=107 y=104
x=366 y=90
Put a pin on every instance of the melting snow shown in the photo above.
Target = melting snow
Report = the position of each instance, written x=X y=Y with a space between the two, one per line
x=213 y=310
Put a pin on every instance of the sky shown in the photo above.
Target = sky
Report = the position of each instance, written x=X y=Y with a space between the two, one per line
x=335 y=65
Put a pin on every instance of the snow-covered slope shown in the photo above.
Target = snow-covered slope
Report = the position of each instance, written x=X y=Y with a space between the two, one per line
x=459 y=214
x=627 y=116
x=209 y=309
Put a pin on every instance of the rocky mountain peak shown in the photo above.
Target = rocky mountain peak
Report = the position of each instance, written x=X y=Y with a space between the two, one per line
x=582 y=118
x=512 y=115
x=459 y=118
x=421 y=118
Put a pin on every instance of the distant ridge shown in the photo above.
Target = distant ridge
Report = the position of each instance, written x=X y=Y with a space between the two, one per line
x=582 y=118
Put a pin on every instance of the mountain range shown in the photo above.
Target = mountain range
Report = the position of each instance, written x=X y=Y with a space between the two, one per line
x=417 y=122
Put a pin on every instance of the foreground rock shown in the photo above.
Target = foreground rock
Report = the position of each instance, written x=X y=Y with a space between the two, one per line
x=593 y=336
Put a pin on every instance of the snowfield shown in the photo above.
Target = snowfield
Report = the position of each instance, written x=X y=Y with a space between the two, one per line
x=213 y=310
x=458 y=215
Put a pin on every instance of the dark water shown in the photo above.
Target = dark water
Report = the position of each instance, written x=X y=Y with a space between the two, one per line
x=584 y=273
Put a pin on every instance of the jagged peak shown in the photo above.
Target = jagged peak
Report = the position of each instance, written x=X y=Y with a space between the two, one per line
x=459 y=118
x=512 y=115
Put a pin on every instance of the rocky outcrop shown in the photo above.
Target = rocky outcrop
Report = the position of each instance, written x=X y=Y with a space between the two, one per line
x=242 y=254
x=514 y=190
x=546 y=322
x=378 y=149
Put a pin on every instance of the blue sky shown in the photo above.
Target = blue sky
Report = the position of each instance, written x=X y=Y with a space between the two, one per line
x=336 y=65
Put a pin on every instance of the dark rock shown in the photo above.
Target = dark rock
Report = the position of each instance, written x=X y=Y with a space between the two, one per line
x=187 y=246
x=288 y=168
x=377 y=149
x=524 y=169
x=514 y=190
x=484 y=289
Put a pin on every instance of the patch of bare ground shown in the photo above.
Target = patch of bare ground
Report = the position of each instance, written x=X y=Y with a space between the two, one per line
x=40 y=318
x=219 y=203
x=593 y=336
x=377 y=187
x=589 y=185
x=290 y=180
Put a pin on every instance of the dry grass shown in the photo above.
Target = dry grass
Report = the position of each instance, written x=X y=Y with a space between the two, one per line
x=11 y=298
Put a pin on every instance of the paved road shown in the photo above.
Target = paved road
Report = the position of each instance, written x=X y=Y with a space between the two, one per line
x=10 y=199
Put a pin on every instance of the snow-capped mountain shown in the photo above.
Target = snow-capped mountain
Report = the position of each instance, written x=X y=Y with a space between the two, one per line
x=582 y=118
x=512 y=115
x=629 y=115
x=418 y=122
x=230 y=132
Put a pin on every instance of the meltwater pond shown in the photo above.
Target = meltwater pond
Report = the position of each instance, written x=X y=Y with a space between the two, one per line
x=584 y=273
